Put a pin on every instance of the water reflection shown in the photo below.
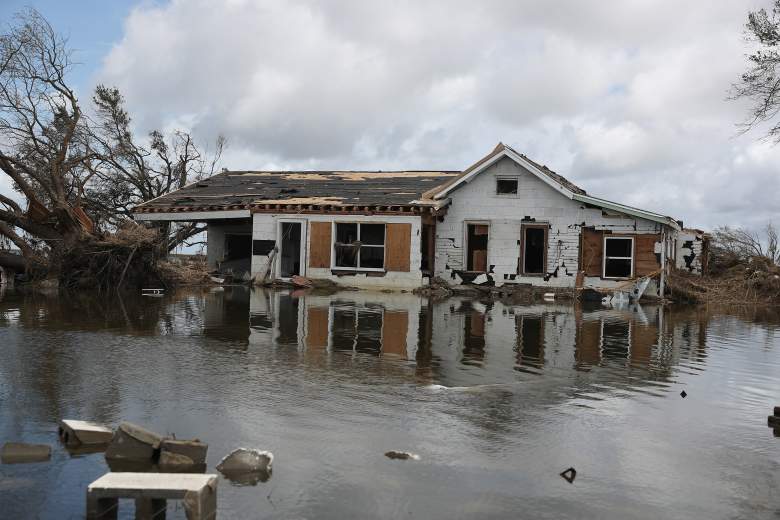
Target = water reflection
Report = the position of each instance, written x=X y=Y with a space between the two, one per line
x=497 y=398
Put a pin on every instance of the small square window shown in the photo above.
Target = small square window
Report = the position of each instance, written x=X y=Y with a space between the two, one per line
x=506 y=186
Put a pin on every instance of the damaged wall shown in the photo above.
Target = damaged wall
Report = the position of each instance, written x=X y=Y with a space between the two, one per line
x=691 y=254
x=535 y=202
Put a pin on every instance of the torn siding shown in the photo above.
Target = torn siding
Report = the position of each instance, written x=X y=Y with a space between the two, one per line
x=535 y=202
x=692 y=250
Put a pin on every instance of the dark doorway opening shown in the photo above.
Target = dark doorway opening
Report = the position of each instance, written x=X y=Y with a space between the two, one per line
x=476 y=247
x=428 y=248
x=238 y=247
x=290 y=264
x=534 y=249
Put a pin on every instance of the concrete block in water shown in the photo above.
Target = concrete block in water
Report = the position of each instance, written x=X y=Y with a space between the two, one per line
x=194 y=449
x=247 y=467
x=132 y=442
x=175 y=462
x=246 y=460
x=150 y=490
x=74 y=433
x=20 y=452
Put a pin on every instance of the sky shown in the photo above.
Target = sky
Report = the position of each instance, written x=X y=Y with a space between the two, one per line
x=627 y=99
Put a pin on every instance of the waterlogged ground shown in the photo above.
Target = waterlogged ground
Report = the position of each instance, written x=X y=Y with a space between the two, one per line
x=497 y=400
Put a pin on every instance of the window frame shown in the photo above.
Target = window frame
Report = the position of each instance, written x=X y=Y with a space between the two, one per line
x=508 y=178
x=605 y=257
x=358 y=268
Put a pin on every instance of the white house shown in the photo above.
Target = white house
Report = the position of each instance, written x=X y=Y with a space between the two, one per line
x=506 y=217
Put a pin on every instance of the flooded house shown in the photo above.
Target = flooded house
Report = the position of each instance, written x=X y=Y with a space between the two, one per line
x=504 y=220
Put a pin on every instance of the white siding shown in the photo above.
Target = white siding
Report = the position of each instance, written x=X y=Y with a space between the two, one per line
x=541 y=204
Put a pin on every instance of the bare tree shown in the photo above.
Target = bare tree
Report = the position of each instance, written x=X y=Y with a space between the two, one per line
x=741 y=245
x=42 y=146
x=129 y=173
x=761 y=82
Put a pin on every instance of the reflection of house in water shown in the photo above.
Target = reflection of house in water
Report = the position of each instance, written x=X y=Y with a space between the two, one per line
x=347 y=322
x=457 y=338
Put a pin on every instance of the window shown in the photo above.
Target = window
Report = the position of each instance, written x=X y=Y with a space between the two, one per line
x=618 y=257
x=506 y=186
x=359 y=246
x=534 y=249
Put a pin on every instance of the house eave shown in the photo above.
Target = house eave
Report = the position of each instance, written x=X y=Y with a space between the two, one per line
x=628 y=210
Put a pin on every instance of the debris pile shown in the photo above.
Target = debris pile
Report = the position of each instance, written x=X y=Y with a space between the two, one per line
x=756 y=282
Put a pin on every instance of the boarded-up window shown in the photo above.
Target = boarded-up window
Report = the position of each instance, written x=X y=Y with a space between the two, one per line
x=319 y=245
x=645 y=257
x=398 y=248
x=591 y=251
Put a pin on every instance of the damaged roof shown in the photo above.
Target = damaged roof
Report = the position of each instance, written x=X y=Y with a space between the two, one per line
x=247 y=189
x=370 y=192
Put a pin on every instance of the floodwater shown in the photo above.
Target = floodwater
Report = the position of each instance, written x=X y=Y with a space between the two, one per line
x=496 y=399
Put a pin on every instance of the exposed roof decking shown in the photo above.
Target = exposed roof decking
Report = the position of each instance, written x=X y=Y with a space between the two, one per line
x=247 y=189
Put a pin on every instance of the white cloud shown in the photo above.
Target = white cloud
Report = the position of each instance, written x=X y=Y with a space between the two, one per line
x=626 y=98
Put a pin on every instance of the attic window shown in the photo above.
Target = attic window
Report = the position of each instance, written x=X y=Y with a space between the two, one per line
x=618 y=257
x=506 y=186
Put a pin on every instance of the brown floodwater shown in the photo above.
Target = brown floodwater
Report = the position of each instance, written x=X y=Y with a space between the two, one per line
x=496 y=399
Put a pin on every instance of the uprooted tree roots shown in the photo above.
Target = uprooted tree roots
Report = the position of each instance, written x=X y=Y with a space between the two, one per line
x=125 y=259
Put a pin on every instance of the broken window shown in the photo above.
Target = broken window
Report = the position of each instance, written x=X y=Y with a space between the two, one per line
x=360 y=246
x=506 y=186
x=618 y=257
x=534 y=249
x=476 y=247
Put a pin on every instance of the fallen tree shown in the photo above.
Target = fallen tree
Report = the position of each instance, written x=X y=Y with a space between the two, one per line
x=77 y=171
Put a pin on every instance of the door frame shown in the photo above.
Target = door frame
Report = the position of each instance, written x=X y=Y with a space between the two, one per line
x=303 y=248
x=546 y=228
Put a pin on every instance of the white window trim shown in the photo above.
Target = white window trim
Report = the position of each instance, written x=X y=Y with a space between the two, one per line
x=508 y=178
x=333 y=265
x=604 y=259
x=466 y=224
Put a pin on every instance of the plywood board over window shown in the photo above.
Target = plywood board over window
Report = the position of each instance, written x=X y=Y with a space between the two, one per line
x=591 y=251
x=319 y=245
x=398 y=247
x=644 y=251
